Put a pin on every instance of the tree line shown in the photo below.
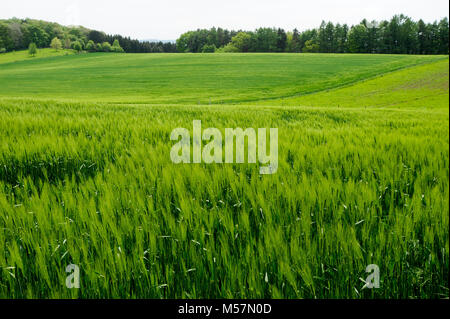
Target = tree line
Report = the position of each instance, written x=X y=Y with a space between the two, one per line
x=132 y=45
x=18 y=34
x=399 y=35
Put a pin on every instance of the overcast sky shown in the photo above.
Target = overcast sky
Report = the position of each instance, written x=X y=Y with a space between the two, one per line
x=167 y=19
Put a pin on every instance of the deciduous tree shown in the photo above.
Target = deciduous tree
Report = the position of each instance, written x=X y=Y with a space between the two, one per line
x=56 y=44
x=32 y=49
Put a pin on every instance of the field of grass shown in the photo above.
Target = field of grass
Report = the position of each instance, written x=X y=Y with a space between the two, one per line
x=190 y=78
x=17 y=56
x=86 y=177
x=425 y=86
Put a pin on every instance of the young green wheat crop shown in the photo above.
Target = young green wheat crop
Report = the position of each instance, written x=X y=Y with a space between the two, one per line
x=361 y=180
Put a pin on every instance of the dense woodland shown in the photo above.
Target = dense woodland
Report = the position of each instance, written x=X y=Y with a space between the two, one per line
x=399 y=35
x=18 y=34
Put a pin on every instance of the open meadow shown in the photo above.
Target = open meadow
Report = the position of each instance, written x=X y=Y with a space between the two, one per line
x=86 y=176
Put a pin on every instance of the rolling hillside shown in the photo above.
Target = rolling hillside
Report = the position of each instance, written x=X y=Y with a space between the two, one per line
x=188 y=78
x=86 y=177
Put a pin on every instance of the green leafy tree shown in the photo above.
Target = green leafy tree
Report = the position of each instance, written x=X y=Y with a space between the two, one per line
x=311 y=46
x=266 y=40
x=393 y=36
x=56 y=44
x=229 y=48
x=322 y=37
x=16 y=34
x=358 y=39
x=222 y=37
x=106 y=47
x=372 y=36
x=96 y=36
x=183 y=42
x=341 y=34
x=90 y=46
x=281 y=40
x=433 y=29
x=408 y=40
x=422 y=37
x=289 y=42
x=209 y=48
x=242 y=41
x=67 y=43
x=308 y=35
x=5 y=38
x=32 y=49
x=116 y=47
x=443 y=36
x=296 y=44
x=327 y=41
x=35 y=34
x=77 y=46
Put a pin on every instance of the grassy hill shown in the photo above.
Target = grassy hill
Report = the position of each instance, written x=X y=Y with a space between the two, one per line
x=189 y=78
x=363 y=177
x=422 y=86
x=17 y=56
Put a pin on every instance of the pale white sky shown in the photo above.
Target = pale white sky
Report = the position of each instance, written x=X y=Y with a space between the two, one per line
x=166 y=20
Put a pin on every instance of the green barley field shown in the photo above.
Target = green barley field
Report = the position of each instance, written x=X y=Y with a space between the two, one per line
x=86 y=176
